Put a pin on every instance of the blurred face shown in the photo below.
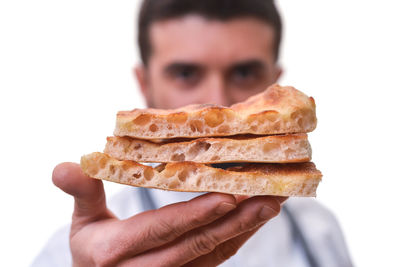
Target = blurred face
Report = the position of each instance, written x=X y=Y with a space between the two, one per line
x=196 y=60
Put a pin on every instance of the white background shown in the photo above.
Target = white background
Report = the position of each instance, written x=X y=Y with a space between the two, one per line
x=65 y=70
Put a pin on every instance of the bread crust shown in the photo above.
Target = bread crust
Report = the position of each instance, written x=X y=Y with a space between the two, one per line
x=264 y=149
x=277 y=110
x=295 y=179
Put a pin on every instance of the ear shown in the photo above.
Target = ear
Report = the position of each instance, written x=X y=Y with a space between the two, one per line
x=278 y=73
x=140 y=72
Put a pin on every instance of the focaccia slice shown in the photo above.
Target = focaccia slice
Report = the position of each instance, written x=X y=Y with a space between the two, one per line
x=277 y=110
x=294 y=179
x=265 y=149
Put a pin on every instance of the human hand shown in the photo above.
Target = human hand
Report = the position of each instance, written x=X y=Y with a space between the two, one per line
x=204 y=231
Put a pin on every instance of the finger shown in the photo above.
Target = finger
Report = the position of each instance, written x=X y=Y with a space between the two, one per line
x=155 y=228
x=223 y=251
x=88 y=193
x=240 y=198
x=250 y=213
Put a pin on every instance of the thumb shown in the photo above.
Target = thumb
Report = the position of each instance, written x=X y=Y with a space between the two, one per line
x=90 y=204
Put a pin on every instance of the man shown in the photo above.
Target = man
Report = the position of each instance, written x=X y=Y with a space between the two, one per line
x=194 y=51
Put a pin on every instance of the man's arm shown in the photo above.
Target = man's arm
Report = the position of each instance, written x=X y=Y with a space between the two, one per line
x=206 y=230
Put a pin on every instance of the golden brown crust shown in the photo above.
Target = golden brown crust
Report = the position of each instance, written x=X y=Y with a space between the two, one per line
x=295 y=179
x=272 y=149
x=278 y=110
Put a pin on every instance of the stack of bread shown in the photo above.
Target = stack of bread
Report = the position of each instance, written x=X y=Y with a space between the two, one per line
x=266 y=136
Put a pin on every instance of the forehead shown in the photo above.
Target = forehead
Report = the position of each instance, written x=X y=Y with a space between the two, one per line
x=194 y=38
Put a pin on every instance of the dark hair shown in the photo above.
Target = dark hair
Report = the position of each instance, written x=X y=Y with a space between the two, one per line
x=157 y=10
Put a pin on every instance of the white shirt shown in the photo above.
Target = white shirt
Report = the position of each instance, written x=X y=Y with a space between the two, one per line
x=273 y=245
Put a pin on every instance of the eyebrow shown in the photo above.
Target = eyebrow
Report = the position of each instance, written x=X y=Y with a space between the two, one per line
x=181 y=65
x=252 y=63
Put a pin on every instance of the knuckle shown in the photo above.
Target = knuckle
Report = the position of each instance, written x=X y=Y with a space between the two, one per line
x=203 y=243
x=196 y=219
x=101 y=258
x=105 y=254
x=163 y=231
x=87 y=252
x=226 y=250
x=245 y=225
x=193 y=218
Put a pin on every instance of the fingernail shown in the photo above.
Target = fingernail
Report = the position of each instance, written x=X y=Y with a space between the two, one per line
x=224 y=208
x=267 y=213
x=281 y=199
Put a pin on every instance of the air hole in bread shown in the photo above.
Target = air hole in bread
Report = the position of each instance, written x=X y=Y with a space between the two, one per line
x=289 y=151
x=196 y=126
x=174 y=184
x=272 y=116
x=198 y=147
x=153 y=128
x=199 y=181
x=160 y=167
x=183 y=175
x=148 y=174
x=142 y=119
x=137 y=146
x=223 y=129
x=267 y=147
x=112 y=169
x=276 y=126
x=295 y=114
x=303 y=187
x=125 y=167
x=139 y=156
x=215 y=158
x=92 y=169
x=103 y=163
x=301 y=123
x=178 y=118
x=136 y=175
x=178 y=157
x=214 y=118
x=168 y=173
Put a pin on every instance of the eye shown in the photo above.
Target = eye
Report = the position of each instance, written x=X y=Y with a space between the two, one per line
x=185 y=74
x=244 y=73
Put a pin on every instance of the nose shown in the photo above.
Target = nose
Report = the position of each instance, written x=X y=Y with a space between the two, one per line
x=216 y=91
